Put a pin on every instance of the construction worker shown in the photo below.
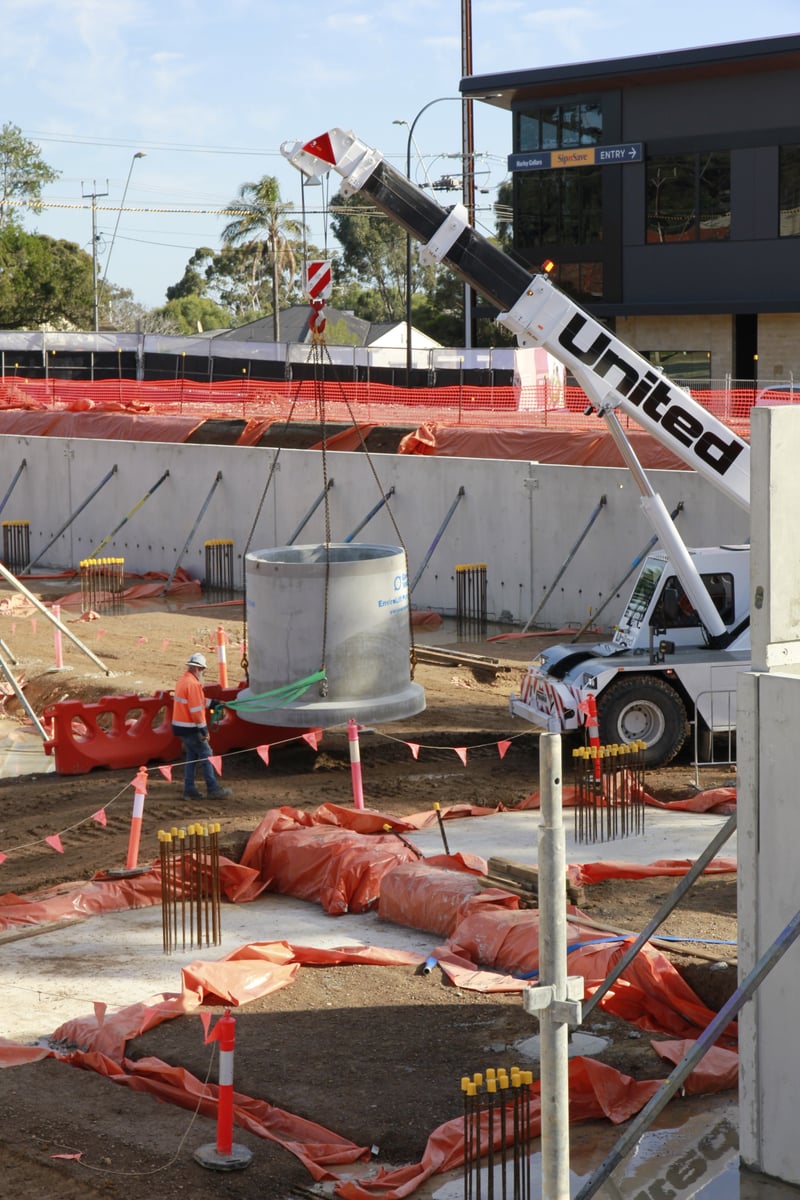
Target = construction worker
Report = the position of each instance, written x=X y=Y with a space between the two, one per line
x=189 y=724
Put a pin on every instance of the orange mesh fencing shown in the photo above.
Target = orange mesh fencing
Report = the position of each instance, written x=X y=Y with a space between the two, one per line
x=351 y=402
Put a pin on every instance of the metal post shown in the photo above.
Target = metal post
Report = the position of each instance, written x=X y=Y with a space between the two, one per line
x=206 y=502
x=435 y=542
x=109 y=475
x=600 y=505
x=553 y=1029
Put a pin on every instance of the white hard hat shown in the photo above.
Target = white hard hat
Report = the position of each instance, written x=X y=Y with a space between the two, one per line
x=197 y=660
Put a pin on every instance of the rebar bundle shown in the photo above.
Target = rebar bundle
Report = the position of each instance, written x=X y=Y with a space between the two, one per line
x=497 y=1120
x=102 y=584
x=219 y=567
x=190 y=887
x=16 y=544
x=609 y=791
x=471 y=598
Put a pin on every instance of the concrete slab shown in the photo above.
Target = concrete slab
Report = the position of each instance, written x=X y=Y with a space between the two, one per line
x=118 y=958
x=668 y=834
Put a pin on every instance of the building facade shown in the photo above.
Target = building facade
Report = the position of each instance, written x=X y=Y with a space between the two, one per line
x=666 y=189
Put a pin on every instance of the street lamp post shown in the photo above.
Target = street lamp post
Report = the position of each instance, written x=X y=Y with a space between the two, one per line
x=99 y=297
x=468 y=190
x=409 y=325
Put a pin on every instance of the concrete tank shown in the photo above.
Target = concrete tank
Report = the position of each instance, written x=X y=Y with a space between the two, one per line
x=367 y=637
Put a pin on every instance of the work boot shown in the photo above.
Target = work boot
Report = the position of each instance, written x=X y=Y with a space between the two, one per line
x=192 y=796
x=220 y=793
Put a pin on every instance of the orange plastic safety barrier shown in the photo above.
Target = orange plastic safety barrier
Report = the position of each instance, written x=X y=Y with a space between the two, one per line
x=126 y=731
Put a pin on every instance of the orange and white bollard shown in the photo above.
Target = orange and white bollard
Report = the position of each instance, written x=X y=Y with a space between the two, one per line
x=594 y=734
x=222 y=656
x=355 y=763
x=135 y=835
x=225 y=1155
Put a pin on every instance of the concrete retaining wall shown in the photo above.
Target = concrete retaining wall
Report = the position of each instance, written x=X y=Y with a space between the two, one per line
x=521 y=519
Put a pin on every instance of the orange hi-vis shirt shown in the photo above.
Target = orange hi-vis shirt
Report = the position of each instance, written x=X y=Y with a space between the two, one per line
x=189 y=702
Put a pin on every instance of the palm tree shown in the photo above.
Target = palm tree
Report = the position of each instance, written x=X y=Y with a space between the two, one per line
x=260 y=211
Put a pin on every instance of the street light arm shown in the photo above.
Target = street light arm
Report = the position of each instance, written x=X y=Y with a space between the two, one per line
x=138 y=154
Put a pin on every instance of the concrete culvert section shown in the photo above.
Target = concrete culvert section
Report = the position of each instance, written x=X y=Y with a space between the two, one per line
x=338 y=607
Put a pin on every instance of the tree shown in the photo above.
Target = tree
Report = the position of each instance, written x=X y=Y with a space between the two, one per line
x=260 y=211
x=23 y=173
x=43 y=282
x=193 y=314
x=373 y=258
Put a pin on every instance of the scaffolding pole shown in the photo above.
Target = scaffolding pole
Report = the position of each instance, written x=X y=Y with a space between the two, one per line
x=436 y=540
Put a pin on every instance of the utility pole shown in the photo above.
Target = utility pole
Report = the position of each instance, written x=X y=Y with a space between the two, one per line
x=468 y=160
x=94 y=196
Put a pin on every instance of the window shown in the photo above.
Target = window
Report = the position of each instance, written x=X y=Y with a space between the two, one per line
x=674 y=609
x=689 y=197
x=559 y=208
x=581 y=280
x=789 y=169
x=558 y=125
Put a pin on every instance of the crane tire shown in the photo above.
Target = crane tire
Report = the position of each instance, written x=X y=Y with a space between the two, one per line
x=644 y=707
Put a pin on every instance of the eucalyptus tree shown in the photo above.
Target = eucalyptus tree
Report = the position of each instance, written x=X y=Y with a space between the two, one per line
x=23 y=173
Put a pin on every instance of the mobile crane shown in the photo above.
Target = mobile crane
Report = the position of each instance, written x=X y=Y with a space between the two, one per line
x=684 y=634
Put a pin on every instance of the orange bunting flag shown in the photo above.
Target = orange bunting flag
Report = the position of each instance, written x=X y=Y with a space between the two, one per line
x=141 y=641
x=216 y=762
x=100 y=633
x=100 y=816
x=55 y=841
x=166 y=771
x=461 y=751
x=502 y=747
x=205 y=1017
x=2 y=858
x=100 y=1013
x=34 y=624
x=77 y=1157
x=164 y=644
x=263 y=754
x=140 y=782
x=414 y=748
x=312 y=737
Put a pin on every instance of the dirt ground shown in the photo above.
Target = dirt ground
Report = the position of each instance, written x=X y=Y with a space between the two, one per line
x=375 y=1054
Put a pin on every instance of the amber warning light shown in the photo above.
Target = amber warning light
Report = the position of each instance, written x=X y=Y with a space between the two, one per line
x=547 y=266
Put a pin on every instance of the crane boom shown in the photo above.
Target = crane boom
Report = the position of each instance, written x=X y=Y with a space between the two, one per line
x=613 y=374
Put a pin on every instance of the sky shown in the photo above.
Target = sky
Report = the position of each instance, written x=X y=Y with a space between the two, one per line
x=207 y=92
